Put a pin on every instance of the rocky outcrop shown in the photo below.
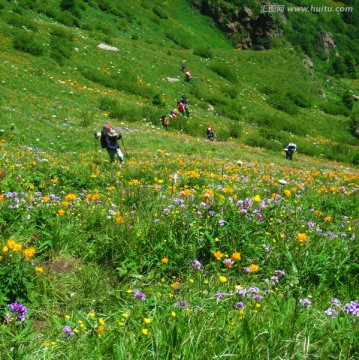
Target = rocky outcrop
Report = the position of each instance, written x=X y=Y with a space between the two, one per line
x=242 y=26
x=325 y=46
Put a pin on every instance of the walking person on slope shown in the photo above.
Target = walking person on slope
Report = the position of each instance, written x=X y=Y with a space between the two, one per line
x=112 y=146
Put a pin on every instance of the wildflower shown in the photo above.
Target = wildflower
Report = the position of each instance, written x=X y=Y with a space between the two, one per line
x=39 y=269
x=125 y=315
x=352 y=308
x=287 y=193
x=257 y=198
x=29 y=253
x=301 y=237
x=305 y=302
x=11 y=244
x=68 y=332
x=254 y=268
x=140 y=296
x=176 y=285
x=60 y=212
x=147 y=320
x=19 y=310
x=331 y=312
x=144 y=331
x=218 y=295
x=328 y=219
x=221 y=222
x=222 y=279
x=164 y=260
x=100 y=330
x=119 y=220
x=173 y=314
x=5 y=249
x=239 y=305
x=218 y=255
x=228 y=263
x=196 y=265
x=236 y=256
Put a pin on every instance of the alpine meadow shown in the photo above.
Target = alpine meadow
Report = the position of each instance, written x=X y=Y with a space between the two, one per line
x=217 y=216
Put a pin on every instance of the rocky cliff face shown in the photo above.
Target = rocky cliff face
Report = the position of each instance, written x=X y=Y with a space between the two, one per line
x=241 y=25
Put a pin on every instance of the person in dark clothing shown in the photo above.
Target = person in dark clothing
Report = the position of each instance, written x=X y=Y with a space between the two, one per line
x=289 y=150
x=112 y=146
x=210 y=133
x=183 y=66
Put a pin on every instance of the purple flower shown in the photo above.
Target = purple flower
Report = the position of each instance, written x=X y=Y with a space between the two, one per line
x=19 y=310
x=218 y=295
x=221 y=222
x=305 y=302
x=279 y=272
x=331 y=312
x=239 y=305
x=352 y=308
x=139 y=295
x=196 y=265
x=68 y=332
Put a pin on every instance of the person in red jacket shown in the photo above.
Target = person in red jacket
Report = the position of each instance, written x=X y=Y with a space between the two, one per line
x=164 y=122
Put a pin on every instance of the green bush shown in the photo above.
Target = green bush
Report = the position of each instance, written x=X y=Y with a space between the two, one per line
x=61 y=45
x=235 y=130
x=334 y=108
x=204 y=52
x=224 y=70
x=283 y=103
x=354 y=125
x=160 y=13
x=22 y=22
x=27 y=42
x=178 y=38
x=300 y=99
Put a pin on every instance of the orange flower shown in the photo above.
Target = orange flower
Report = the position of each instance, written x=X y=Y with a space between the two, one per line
x=301 y=237
x=11 y=244
x=61 y=212
x=218 y=255
x=17 y=247
x=100 y=330
x=119 y=220
x=70 y=197
x=254 y=267
x=236 y=255
x=164 y=260
x=175 y=285
x=29 y=253
x=328 y=219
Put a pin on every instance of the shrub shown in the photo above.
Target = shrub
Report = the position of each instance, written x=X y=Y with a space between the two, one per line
x=160 y=13
x=177 y=38
x=299 y=99
x=334 y=108
x=224 y=70
x=282 y=103
x=26 y=42
x=235 y=130
x=61 y=45
x=354 y=125
x=204 y=52
x=107 y=104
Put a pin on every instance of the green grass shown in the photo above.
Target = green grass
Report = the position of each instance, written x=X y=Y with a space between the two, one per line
x=104 y=233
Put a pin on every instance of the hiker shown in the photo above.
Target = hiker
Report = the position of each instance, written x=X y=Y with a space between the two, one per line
x=188 y=75
x=210 y=133
x=183 y=66
x=289 y=150
x=164 y=122
x=112 y=146
x=174 y=113
x=180 y=106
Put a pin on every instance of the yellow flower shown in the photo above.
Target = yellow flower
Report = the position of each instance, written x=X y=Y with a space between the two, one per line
x=125 y=315
x=70 y=197
x=29 y=253
x=61 y=212
x=92 y=314
x=218 y=255
x=147 y=320
x=39 y=269
x=328 y=219
x=222 y=279
x=257 y=198
x=101 y=321
x=164 y=260
x=173 y=314
x=17 y=247
x=11 y=244
x=5 y=249
x=236 y=255
x=67 y=317
x=254 y=267
x=144 y=331
x=301 y=237
x=287 y=193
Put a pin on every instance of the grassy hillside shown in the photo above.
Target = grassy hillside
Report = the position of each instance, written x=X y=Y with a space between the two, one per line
x=191 y=249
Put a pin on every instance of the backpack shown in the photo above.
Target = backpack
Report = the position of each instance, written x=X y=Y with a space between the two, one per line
x=105 y=131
